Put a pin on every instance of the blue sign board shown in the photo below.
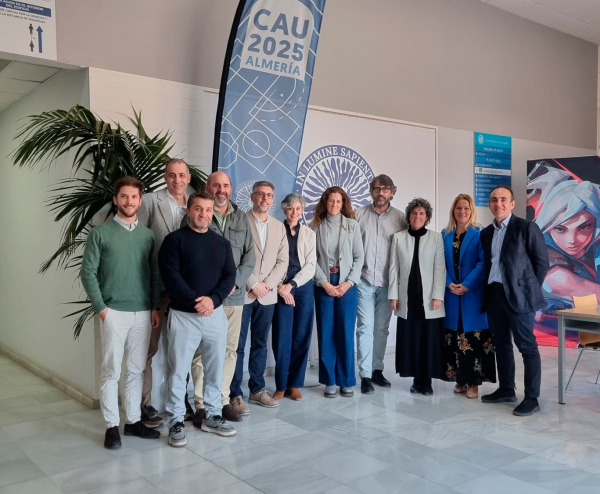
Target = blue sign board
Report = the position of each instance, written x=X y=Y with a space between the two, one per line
x=493 y=162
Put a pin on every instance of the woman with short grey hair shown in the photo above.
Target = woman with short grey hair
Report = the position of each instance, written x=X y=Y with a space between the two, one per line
x=416 y=293
x=294 y=311
x=291 y=198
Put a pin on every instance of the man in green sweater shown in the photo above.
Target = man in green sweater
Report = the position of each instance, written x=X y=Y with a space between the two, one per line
x=119 y=272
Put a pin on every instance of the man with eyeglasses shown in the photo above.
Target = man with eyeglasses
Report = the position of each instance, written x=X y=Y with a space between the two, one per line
x=378 y=222
x=272 y=255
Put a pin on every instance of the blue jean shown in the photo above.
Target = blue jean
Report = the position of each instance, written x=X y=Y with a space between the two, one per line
x=372 y=327
x=186 y=332
x=336 y=318
x=292 y=329
x=257 y=318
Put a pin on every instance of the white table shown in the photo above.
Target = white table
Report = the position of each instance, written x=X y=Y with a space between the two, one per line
x=579 y=319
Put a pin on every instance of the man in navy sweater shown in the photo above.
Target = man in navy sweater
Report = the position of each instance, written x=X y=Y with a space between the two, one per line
x=198 y=271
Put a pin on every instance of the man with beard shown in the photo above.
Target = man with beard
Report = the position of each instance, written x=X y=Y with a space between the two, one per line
x=378 y=223
x=162 y=212
x=120 y=275
x=231 y=223
x=197 y=268
x=272 y=256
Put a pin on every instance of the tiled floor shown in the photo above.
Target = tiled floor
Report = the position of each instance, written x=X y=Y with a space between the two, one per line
x=388 y=442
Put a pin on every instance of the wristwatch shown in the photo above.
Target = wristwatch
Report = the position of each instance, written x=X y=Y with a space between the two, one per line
x=294 y=284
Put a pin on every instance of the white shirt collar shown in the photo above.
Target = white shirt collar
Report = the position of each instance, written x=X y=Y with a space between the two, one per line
x=259 y=221
x=174 y=201
x=128 y=226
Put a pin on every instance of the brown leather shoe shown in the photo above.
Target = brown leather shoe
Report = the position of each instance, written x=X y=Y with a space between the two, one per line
x=294 y=394
x=239 y=406
x=230 y=414
x=264 y=399
x=198 y=418
x=278 y=395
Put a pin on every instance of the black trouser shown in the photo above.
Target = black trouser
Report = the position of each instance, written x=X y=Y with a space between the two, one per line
x=504 y=322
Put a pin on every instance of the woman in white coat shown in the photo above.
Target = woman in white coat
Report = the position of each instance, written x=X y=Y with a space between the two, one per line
x=416 y=293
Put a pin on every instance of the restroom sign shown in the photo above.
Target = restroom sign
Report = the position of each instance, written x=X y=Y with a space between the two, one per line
x=28 y=28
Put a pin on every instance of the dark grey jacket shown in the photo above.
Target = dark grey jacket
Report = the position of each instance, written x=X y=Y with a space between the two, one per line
x=523 y=264
x=239 y=234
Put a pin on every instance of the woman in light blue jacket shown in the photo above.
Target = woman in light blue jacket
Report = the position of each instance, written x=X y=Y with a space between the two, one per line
x=340 y=258
x=468 y=349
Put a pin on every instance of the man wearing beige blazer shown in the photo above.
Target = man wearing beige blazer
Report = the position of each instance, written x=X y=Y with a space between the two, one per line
x=272 y=255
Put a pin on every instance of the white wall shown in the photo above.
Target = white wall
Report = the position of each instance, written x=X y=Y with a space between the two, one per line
x=456 y=169
x=180 y=108
x=31 y=305
x=453 y=63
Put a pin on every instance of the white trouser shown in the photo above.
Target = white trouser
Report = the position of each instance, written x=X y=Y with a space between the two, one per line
x=372 y=327
x=129 y=333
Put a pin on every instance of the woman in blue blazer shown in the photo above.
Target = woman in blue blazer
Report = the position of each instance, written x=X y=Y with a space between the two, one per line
x=468 y=350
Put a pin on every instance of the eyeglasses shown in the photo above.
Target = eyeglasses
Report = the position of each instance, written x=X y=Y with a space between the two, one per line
x=385 y=190
x=268 y=195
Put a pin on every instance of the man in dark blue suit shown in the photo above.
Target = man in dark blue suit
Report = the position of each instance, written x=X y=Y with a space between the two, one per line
x=516 y=262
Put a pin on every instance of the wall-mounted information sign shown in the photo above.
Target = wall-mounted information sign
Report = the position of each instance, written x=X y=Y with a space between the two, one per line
x=28 y=28
x=493 y=156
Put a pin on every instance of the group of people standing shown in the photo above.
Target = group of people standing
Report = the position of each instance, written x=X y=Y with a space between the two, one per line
x=208 y=275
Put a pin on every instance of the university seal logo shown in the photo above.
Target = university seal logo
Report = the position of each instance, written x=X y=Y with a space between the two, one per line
x=333 y=165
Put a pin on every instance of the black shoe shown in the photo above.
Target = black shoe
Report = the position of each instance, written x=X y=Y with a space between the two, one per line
x=230 y=414
x=140 y=430
x=189 y=411
x=377 y=378
x=527 y=407
x=416 y=387
x=112 y=438
x=198 y=418
x=500 y=396
x=366 y=387
x=150 y=417
x=426 y=390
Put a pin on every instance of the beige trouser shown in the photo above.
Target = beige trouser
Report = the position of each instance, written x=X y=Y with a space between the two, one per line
x=234 y=317
x=153 y=348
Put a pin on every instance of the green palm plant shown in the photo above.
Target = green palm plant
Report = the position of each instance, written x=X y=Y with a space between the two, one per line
x=101 y=153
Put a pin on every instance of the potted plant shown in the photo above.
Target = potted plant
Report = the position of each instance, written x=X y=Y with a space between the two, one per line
x=101 y=152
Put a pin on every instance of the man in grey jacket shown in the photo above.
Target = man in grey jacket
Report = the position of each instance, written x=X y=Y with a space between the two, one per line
x=378 y=222
x=233 y=224
x=162 y=212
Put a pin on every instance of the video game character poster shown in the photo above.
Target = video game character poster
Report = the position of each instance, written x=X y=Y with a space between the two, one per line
x=563 y=198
